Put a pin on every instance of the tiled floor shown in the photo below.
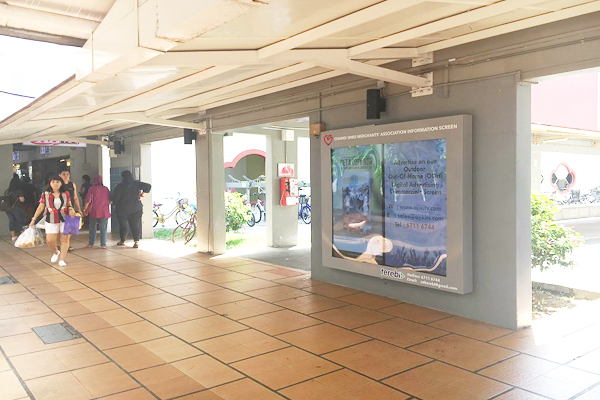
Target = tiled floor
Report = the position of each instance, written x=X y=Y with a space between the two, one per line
x=156 y=326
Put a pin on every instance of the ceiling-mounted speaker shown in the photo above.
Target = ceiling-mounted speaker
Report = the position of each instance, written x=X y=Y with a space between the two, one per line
x=189 y=135
x=119 y=147
x=375 y=104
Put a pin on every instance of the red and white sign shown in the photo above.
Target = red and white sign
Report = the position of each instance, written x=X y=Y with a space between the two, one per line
x=285 y=170
x=55 y=143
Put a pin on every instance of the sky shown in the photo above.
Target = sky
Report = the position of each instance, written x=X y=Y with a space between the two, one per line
x=31 y=68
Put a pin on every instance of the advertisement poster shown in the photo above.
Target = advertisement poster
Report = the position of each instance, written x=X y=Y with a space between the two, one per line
x=416 y=212
x=400 y=199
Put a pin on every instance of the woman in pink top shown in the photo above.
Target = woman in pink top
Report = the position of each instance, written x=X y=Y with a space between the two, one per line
x=97 y=204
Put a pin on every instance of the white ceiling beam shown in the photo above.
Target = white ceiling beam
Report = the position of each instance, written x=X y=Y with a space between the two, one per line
x=127 y=100
x=140 y=117
x=374 y=72
x=555 y=16
x=199 y=98
x=468 y=17
x=40 y=123
x=341 y=24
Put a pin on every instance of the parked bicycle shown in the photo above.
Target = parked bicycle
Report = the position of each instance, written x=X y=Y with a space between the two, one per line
x=186 y=231
x=304 y=210
x=179 y=211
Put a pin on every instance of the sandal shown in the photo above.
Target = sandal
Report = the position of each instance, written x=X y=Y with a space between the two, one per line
x=136 y=245
x=120 y=243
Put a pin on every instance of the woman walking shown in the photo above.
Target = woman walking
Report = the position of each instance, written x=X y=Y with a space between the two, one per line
x=16 y=215
x=96 y=206
x=126 y=199
x=56 y=202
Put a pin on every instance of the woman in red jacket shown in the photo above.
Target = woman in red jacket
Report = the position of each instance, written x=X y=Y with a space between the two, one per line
x=96 y=205
x=56 y=201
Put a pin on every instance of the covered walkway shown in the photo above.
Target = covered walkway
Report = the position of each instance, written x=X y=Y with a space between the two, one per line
x=194 y=327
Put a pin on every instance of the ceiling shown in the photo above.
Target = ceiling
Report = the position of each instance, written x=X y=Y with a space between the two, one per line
x=149 y=61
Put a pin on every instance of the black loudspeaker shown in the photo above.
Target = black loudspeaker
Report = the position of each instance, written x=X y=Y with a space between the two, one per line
x=119 y=147
x=189 y=135
x=375 y=104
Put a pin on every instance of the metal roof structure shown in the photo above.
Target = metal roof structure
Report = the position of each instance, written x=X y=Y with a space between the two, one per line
x=150 y=61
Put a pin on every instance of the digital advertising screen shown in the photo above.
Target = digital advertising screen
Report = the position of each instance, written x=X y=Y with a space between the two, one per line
x=392 y=211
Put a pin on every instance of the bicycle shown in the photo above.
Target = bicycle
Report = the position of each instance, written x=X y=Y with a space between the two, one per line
x=179 y=211
x=185 y=231
x=304 y=210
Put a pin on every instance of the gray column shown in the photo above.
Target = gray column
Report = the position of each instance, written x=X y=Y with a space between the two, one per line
x=146 y=176
x=6 y=172
x=282 y=222
x=210 y=183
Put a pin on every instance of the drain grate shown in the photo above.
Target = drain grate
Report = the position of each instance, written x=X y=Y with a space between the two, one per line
x=7 y=280
x=56 y=333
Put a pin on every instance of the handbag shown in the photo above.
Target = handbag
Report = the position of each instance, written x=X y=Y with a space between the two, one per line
x=72 y=225
x=5 y=203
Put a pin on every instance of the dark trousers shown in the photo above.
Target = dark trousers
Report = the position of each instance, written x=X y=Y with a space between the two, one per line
x=130 y=221
x=16 y=219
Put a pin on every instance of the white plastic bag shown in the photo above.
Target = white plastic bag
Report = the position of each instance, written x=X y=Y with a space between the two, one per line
x=31 y=237
x=41 y=224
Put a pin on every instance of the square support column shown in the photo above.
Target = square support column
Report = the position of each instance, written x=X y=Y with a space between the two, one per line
x=210 y=183
x=282 y=222
x=6 y=172
x=146 y=176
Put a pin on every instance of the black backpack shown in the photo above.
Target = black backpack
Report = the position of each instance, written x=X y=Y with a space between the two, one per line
x=5 y=202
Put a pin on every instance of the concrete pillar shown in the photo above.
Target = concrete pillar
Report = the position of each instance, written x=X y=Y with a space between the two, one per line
x=6 y=172
x=282 y=222
x=145 y=175
x=210 y=183
x=104 y=170
x=536 y=171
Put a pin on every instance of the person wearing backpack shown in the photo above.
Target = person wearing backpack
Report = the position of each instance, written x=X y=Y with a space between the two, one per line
x=126 y=199
x=11 y=204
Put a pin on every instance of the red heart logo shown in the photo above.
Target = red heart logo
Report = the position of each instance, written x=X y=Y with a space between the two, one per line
x=328 y=139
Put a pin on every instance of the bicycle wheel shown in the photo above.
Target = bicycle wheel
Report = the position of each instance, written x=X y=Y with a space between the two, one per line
x=184 y=232
x=306 y=215
x=256 y=213
x=155 y=218
x=251 y=221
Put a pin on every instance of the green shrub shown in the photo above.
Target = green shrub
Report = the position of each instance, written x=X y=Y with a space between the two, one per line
x=236 y=212
x=551 y=243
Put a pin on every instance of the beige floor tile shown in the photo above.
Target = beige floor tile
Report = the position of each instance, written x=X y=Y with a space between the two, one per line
x=7 y=312
x=11 y=387
x=55 y=298
x=376 y=359
x=37 y=364
x=369 y=300
x=167 y=382
x=589 y=396
x=244 y=389
x=524 y=339
x=562 y=350
x=190 y=311
x=79 y=356
x=312 y=303
x=31 y=308
x=280 y=322
x=471 y=328
x=351 y=317
x=591 y=334
x=134 y=357
x=37 y=320
x=518 y=370
x=323 y=338
x=162 y=317
x=198 y=272
x=171 y=349
x=216 y=297
x=441 y=381
x=104 y=379
x=135 y=394
x=245 y=309
x=142 y=331
x=331 y=290
x=21 y=344
x=19 y=297
x=190 y=331
x=277 y=293
x=152 y=274
x=152 y=302
x=463 y=352
x=87 y=322
x=119 y=316
x=58 y=387
x=108 y=338
x=251 y=268
x=220 y=324
x=310 y=390
x=285 y=367
x=82 y=293
x=246 y=285
x=562 y=383
x=589 y=362
x=518 y=394
x=206 y=371
x=227 y=276
x=240 y=345
x=415 y=313
x=13 y=326
x=300 y=282
x=71 y=309
x=113 y=284
x=401 y=332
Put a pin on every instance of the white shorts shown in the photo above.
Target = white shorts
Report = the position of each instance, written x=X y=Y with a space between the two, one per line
x=55 y=228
